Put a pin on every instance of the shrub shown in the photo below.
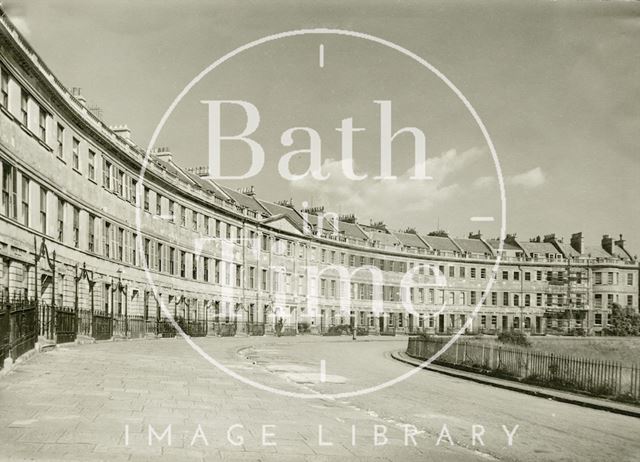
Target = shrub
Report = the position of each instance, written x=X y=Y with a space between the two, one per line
x=303 y=326
x=362 y=330
x=339 y=330
x=514 y=338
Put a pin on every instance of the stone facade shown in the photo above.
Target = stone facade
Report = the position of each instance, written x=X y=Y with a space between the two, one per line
x=73 y=183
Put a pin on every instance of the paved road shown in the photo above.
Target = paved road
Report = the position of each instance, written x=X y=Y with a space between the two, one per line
x=100 y=402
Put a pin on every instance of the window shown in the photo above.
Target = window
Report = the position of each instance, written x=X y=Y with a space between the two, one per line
x=4 y=88
x=42 y=124
x=238 y=275
x=527 y=300
x=494 y=298
x=9 y=190
x=194 y=221
x=60 y=141
x=134 y=249
x=609 y=300
x=473 y=273
x=228 y=232
x=60 y=220
x=183 y=216
x=91 y=230
x=146 y=199
x=172 y=256
x=527 y=276
x=473 y=297
x=610 y=278
x=25 y=200
x=227 y=274
x=183 y=258
x=516 y=275
x=505 y=299
x=91 y=166
x=159 y=254
x=75 y=150
x=106 y=239
x=106 y=173
x=598 y=319
x=43 y=210
x=505 y=275
x=76 y=227
x=194 y=267
x=629 y=276
x=158 y=204
x=172 y=210
x=263 y=282
x=538 y=299
x=462 y=271
x=538 y=275
x=598 y=278
x=629 y=300
x=252 y=276
x=24 y=108
x=483 y=273
x=598 y=301
x=119 y=183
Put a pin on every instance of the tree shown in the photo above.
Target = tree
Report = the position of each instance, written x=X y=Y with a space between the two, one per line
x=623 y=322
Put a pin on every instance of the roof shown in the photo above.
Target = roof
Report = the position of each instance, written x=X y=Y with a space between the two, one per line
x=495 y=244
x=411 y=240
x=441 y=243
x=352 y=230
x=596 y=252
x=327 y=222
x=540 y=248
x=384 y=238
x=568 y=250
x=244 y=200
x=620 y=252
x=473 y=246
x=275 y=209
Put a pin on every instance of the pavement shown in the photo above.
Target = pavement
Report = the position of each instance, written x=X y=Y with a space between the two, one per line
x=107 y=401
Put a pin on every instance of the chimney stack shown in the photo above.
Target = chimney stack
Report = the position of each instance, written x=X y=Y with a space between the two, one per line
x=77 y=93
x=163 y=153
x=607 y=244
x=620 y=242
x=123 y=131
x=577 y=242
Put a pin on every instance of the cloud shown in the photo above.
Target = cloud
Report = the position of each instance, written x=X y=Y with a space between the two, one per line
x=391 y=198
x=529 y=179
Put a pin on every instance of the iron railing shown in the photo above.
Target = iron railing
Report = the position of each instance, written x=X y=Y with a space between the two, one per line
x=594 y=376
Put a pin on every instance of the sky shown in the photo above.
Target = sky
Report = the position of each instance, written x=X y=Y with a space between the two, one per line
x=557 y=86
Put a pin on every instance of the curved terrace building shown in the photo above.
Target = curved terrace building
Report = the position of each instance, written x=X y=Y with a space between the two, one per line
x=70 y=185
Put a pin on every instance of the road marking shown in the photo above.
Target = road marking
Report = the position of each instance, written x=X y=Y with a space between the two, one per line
x=481 y=218
x=321 y=57
x=323 y=370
